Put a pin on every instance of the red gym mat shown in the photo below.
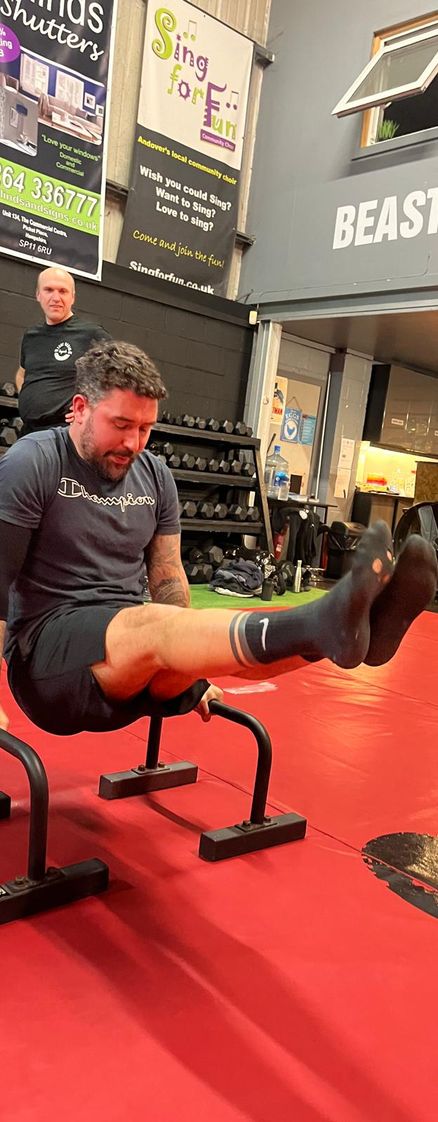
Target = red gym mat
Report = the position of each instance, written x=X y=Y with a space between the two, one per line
x=288 y=984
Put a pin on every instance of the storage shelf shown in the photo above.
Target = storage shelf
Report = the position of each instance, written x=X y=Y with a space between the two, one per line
x=214 y=477
x=9 y=402
x=205 y=434
x=218 y=525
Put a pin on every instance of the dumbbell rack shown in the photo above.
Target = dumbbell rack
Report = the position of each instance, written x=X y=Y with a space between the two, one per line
x=7 y=403
x=199 y=439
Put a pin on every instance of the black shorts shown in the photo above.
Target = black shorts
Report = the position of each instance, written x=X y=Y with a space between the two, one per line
x=56 y=689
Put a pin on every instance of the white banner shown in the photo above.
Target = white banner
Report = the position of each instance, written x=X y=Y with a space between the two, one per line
x=195 y=81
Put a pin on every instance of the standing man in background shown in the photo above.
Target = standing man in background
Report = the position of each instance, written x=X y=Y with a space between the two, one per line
x=46 y=376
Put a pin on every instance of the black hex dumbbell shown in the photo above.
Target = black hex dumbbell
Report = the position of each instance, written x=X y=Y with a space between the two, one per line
x=174 y=461
x=187 y=461
x=17 y=424
x=213 y=465
x=213 y=425
x=220 y=511
x=167 y=418
x=7 y=389
x=253 y=514
x=187 y=420
x=224 y=467
x=8 y=436
x=200 y=463
x=187 y=509
x=214 y=555
x=227 y=426
x=241 y=428
x=206 y=509
x=195 y=556
x=168 y=449
x=235 y=467
x=200 y=423
x=248 y=470
x=198 y=574
x=238 y=512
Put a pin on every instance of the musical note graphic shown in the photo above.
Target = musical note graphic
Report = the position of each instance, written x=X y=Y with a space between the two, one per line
x=234 y=95
x=190 y=34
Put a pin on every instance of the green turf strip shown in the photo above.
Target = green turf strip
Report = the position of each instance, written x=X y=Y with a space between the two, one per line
x=202 y=597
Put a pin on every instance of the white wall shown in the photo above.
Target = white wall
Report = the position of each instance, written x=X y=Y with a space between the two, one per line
x=350 y=417
x=306 y=369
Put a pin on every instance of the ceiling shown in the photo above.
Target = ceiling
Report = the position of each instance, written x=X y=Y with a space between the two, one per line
x=407 y=338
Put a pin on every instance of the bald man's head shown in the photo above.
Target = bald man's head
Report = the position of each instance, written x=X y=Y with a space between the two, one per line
x=55 y=292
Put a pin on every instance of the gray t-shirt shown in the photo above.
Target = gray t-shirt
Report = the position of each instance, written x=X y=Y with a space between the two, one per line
x=89 y=534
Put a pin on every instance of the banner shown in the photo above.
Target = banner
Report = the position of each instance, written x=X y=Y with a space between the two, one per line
x=181 y=212
x=54 y=90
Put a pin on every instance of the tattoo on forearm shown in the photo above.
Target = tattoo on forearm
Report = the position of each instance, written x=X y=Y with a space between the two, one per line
x=170 y=592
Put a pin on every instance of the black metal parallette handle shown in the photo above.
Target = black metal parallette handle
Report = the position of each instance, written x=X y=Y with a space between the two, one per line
x=39 y=802
x=264 y=747
x=153 y=744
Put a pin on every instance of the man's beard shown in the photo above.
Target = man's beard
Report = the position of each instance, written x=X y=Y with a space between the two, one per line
x=102 y=463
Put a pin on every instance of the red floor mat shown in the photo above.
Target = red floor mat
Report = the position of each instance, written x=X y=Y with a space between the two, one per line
x=289 y=983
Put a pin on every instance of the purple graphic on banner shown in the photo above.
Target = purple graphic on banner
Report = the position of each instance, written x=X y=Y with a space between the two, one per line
x=9 y=44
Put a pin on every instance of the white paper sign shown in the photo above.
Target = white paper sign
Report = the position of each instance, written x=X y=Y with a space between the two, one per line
x=342 y=482
x=346 y=454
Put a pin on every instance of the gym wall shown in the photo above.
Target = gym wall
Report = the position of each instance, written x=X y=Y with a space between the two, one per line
x=201 y=344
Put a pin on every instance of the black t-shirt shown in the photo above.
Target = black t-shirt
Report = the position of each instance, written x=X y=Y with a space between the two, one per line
x=48 y=356
x=89 y=535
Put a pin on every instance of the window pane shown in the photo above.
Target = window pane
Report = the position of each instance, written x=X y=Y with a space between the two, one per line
x=400 y=68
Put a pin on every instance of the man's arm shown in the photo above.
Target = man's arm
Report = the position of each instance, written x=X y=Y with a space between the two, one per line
x=4 y=719
x=168 y=583
x=14 y=544
x=19 y=378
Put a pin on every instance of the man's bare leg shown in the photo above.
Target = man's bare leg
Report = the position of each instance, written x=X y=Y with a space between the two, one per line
x=166 y=648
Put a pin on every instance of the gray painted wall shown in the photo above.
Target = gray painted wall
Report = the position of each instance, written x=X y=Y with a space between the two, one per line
x=304 y=168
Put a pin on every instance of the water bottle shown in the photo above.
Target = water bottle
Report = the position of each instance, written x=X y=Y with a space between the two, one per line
x=276 y=464
x=281 y=481
x=297 y=577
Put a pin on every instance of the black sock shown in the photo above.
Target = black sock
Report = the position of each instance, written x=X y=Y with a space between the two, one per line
x=337 y=626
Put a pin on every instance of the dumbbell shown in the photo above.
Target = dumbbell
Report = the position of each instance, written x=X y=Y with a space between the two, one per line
x=242 y=429
x=17 y=424
x=238 y=512
x=167 y=448
x=187 y=509
x=198 y=574
x=7 y=389
x=220 y=510
x=253 y=514
x=227 y=426
x=224 y=467
x=248 y=470
x=195 y=556
x=200 y=463
x=214 y=554
x=187 y=461
x=206 y=509
x=235 y=467
x=167 y=418
x=187 y=420
x=8 y=437
x=213 y=465
x=213 y=425
x=200 y=423
x=174 y=462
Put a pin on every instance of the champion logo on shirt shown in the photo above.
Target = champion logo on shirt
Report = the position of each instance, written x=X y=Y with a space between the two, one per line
x=62 y=351
x=71 y=489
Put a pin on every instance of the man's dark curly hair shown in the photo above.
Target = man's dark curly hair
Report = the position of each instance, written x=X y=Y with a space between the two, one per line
x=111 y=365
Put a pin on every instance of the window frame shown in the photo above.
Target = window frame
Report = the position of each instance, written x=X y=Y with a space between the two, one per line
x=385 y=44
